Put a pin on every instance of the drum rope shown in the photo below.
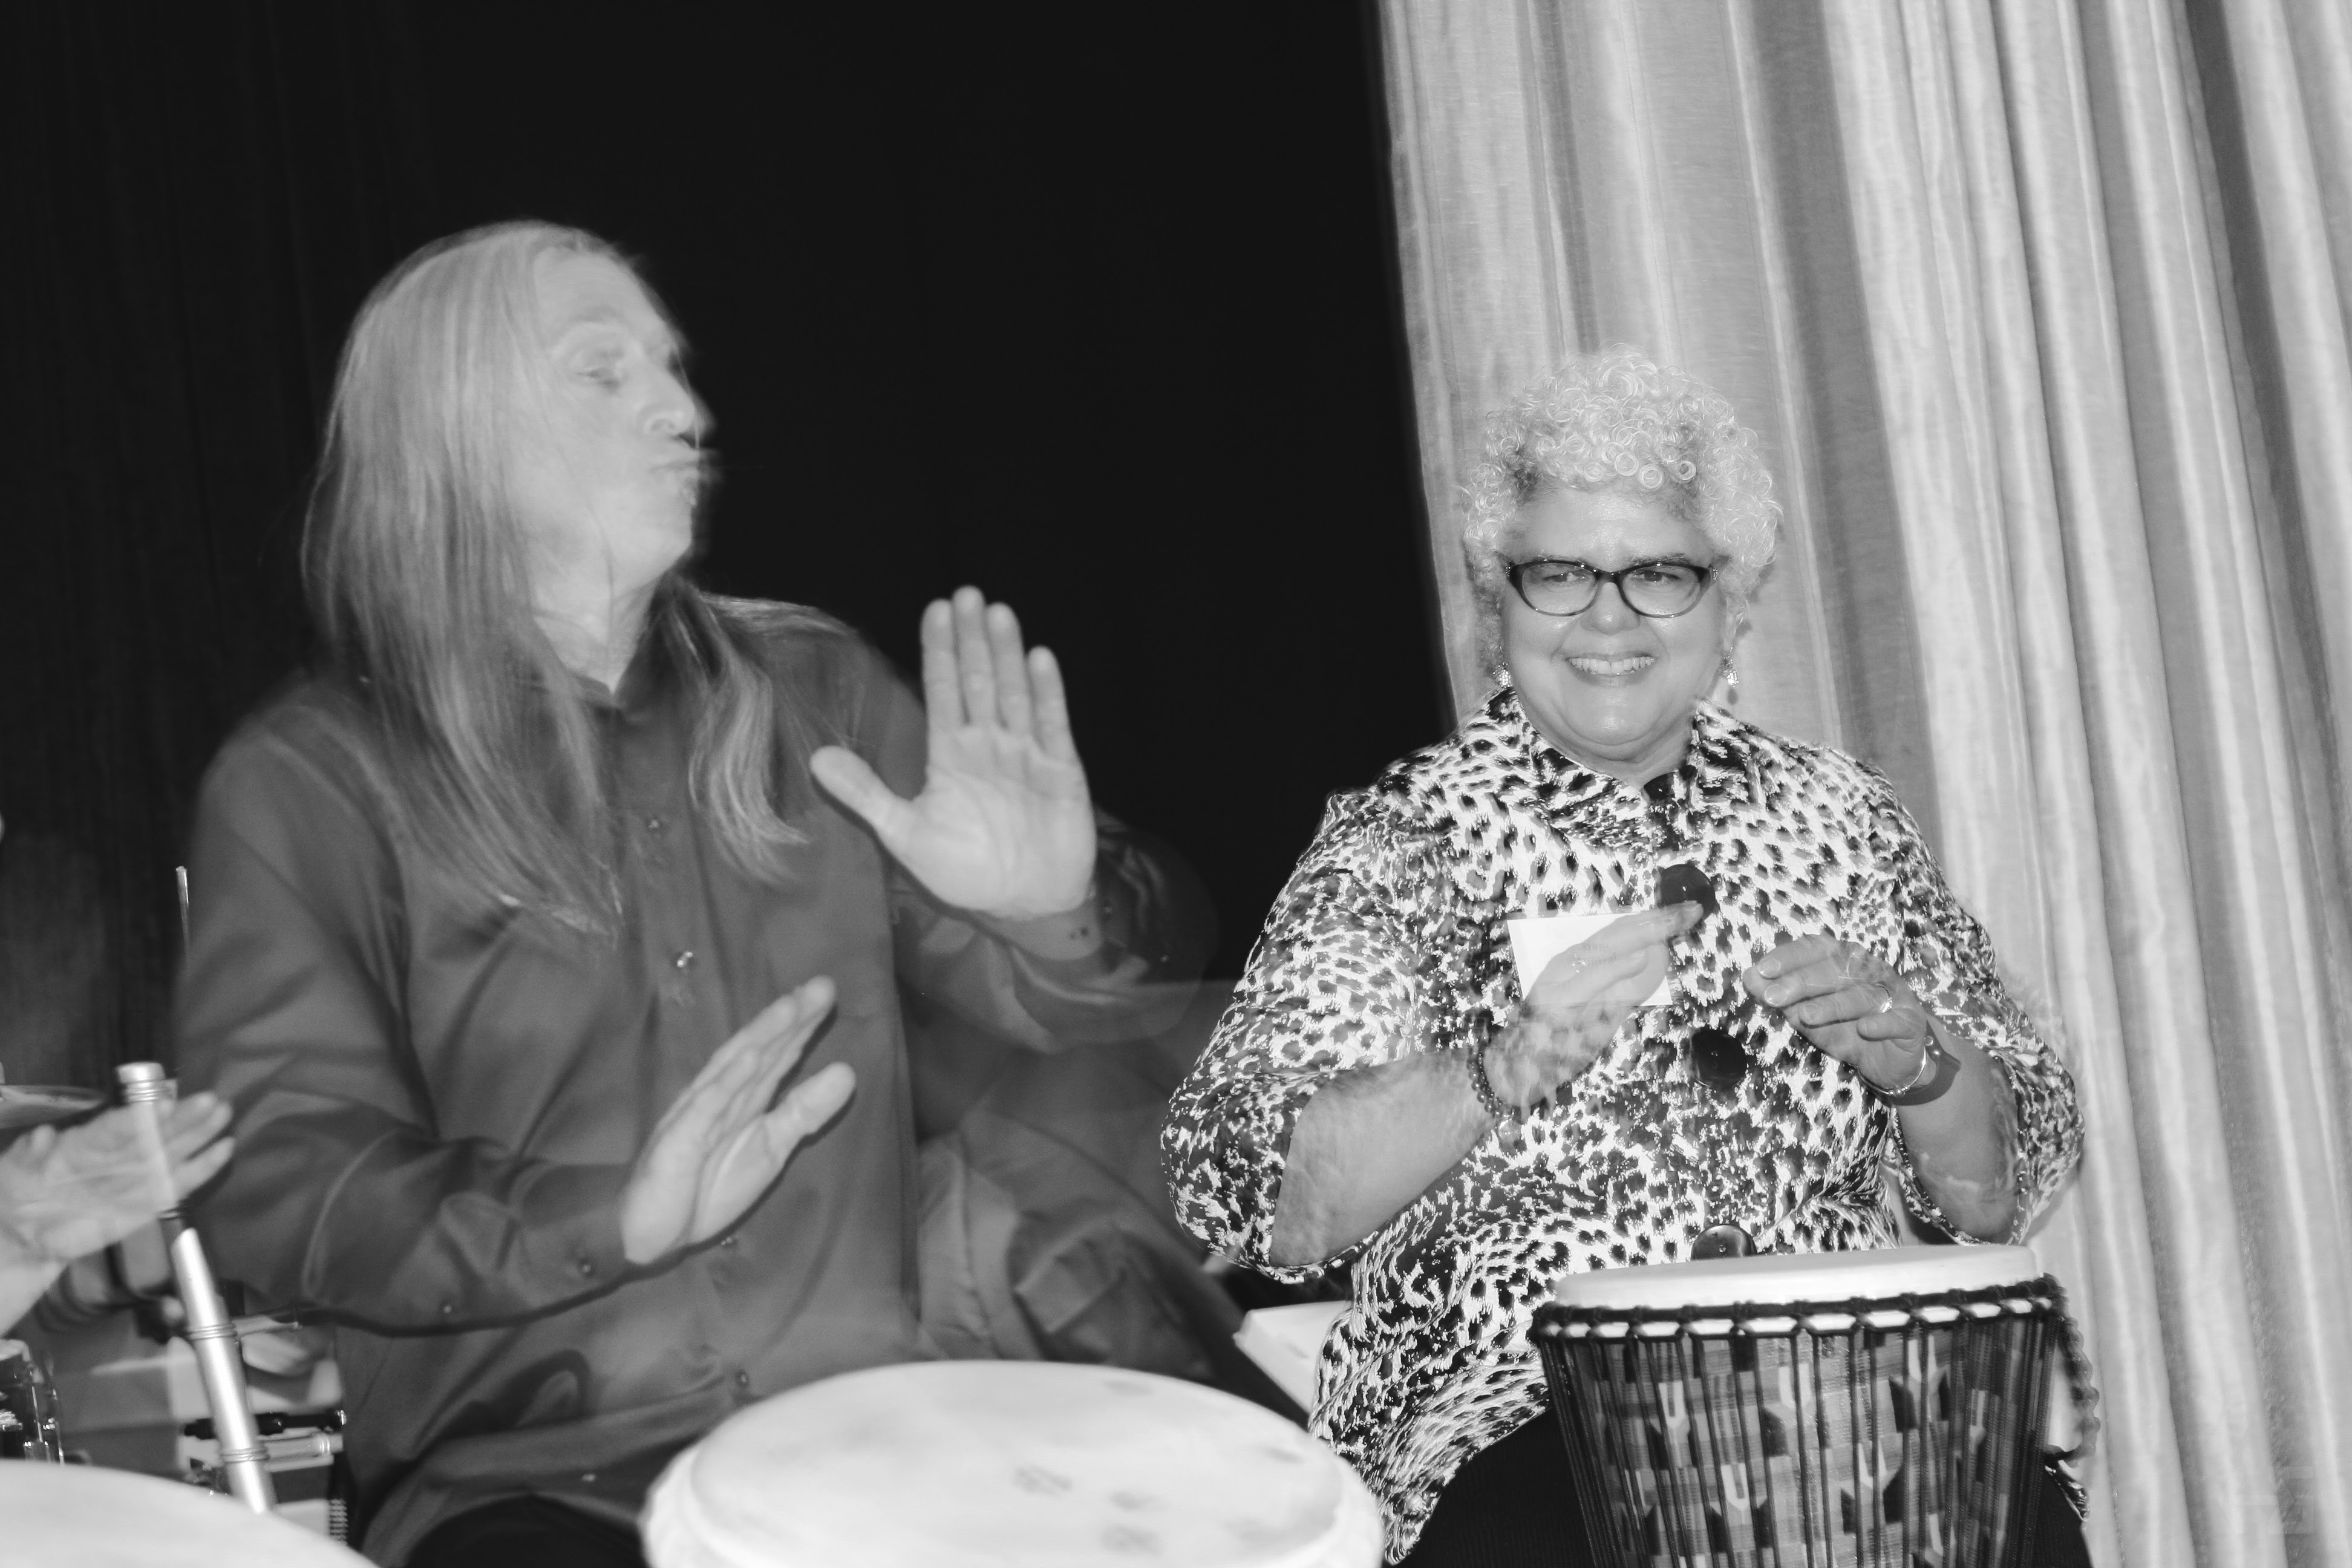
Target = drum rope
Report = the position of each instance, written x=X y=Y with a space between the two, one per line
x=2079 y=1381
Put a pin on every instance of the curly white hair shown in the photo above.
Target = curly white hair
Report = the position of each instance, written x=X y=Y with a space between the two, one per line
x=1617 y=420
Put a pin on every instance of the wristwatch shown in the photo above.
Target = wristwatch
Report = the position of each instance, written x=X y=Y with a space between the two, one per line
x=1938 y=1068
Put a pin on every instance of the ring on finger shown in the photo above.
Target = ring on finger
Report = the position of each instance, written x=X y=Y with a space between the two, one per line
x=1886 y=999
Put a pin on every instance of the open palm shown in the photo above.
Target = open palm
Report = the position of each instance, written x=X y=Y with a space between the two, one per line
x=1004 y=825
x=722 y=1144
x=63 y=1194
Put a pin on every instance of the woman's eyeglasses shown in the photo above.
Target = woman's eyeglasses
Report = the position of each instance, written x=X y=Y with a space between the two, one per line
x=1658 y=589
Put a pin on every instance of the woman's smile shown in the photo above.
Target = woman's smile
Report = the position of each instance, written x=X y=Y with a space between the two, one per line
x=1612 y=669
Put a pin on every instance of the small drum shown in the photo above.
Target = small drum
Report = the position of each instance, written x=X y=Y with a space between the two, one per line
x=957 y=1464
x=1862 y=1408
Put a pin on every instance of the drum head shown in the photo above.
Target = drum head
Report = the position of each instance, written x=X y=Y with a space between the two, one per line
x=1787 y=1279
x=946 y=1464
x=114 y=1519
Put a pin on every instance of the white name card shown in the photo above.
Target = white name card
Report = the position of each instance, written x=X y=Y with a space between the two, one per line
x=1537 y=940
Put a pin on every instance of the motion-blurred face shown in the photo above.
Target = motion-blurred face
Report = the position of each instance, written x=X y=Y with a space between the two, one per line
x=607 y=473
x=1612 y=689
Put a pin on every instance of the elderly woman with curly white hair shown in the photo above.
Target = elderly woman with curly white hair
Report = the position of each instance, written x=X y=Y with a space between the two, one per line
x=1388 y=1093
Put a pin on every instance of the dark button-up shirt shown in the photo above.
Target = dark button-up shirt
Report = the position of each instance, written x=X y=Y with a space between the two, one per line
x=440 y=1098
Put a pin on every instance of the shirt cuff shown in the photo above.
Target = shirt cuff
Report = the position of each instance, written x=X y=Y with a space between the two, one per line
x=1075 y=936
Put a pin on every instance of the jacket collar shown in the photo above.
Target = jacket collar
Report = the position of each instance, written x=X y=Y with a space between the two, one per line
x=1717 y=769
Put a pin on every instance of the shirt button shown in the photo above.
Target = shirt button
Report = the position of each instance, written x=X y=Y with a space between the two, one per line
x=653 y=825
x=742 y=1380
x=683 y=961
x=586 y=1267
x=448 y=1308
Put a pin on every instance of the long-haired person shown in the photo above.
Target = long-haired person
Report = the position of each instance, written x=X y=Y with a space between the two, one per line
x=549 y=940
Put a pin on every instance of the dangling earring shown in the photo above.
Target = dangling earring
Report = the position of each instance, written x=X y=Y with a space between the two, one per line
x=1731 y=680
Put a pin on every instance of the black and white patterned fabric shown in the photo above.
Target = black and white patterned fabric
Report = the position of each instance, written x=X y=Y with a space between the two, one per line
x=1390 y=938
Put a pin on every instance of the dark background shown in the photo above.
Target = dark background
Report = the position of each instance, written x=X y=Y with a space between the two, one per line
x=1091 y=307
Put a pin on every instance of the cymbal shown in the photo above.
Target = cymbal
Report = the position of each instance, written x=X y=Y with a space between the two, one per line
x=112 y=1518
x=30 y=1104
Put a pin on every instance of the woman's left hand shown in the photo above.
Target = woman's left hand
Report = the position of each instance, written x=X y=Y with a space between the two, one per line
x=1849 y=1002
x=1004 y=826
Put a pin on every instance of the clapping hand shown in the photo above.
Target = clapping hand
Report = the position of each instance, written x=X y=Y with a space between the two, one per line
x=719 y=1146
x=1849 y=1003
x=64 y=1194
x=1578 y=1002
x=1004 y=826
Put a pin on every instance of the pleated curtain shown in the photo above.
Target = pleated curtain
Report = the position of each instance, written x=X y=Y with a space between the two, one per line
x=2039 y=307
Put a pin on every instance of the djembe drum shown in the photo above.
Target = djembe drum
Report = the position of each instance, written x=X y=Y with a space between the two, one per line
x=1865 y=1408
x=1009 y=1465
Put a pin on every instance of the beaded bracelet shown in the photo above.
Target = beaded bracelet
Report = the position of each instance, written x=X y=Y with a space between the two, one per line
x=1494 y=1104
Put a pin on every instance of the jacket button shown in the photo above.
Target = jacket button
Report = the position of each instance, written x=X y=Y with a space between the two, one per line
x=683 y=961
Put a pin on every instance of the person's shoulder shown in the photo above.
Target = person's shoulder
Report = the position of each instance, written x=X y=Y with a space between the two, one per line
x=1482 y=747
x=1810 y=767
x=1411 y=794
x=306 y=753
x=802 y=647
x=786 y=633
x=311 y=724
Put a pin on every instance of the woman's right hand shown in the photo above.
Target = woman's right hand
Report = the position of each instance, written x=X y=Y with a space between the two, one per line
x=1576 y=1005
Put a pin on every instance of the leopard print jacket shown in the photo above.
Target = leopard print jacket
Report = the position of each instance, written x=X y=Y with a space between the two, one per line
x=1389 y=938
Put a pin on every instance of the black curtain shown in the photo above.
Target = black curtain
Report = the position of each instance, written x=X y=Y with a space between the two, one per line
x=1091 y=308
x=199 y=196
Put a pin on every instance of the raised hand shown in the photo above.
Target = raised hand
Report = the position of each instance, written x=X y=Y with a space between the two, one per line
x=64 y=1193
x=719 y=1146
x=1578 y=1002
x=1004 y=825
x=1849 y=1002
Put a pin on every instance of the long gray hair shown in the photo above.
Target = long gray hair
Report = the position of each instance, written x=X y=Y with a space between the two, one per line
x=477 y=744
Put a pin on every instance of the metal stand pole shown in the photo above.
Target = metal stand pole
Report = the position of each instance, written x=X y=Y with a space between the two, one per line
x=210 y=1333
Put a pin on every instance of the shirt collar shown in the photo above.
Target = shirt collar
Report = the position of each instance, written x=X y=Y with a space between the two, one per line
x=644 y=685
x=1714 y=770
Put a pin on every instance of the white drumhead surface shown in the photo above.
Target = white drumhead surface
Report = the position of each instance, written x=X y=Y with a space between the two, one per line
x=92 y=1518
x=945 y=1464
x=1783 y=1278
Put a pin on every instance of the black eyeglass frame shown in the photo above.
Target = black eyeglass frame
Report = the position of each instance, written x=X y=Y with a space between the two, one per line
x=1516 y=570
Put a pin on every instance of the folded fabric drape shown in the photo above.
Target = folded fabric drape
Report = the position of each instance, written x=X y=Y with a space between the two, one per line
x=2040 y=309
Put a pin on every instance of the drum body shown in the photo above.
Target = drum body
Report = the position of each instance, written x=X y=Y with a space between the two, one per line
x=1876 y=1408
